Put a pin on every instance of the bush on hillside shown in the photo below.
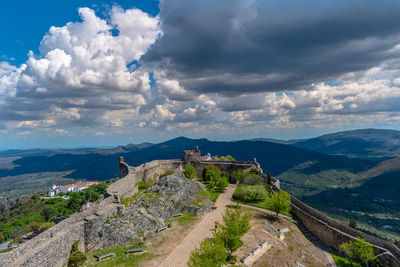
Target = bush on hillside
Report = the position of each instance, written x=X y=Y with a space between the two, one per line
x=210 y=253
x=76 y=258
x=190 y=172
x=253 y=179
x=46 y=225
x=359 y=249
x=279 y=202
x=250 y=193
x=235 y=225
x=237 y=176
x=166 y=173
x=144 y=185
x=221 y=182
x=35 y=226
x=210 y=173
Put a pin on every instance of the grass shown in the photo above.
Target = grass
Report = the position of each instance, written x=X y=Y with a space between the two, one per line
x=186 y=218
x=120 y=258
x=5 y=250
x=343 y=262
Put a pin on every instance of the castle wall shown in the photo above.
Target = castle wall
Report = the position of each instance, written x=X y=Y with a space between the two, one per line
x=52 y=247
x=333 y=233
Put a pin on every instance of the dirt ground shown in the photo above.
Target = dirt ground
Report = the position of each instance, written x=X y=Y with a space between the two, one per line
x=165 y=243
x=300 y=249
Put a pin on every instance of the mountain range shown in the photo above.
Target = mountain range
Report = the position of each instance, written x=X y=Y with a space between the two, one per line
x=346 y=171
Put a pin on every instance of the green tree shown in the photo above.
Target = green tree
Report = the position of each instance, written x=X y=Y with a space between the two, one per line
x=2 y=238
x=190 y=172
x=237 y=176
x=48 y=212
x=279 y=202
x=75 y=201
x=210 y=173
x=221 y=182
x=269 y=178
x=230 y=158
x=359 y=249
x=353 y=223
x=210 y=253
x=234 y=226
x=76 y=258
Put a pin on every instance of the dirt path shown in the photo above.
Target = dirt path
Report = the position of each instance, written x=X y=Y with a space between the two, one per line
x=180 y=255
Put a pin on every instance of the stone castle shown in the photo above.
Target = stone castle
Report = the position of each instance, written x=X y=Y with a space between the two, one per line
x=52 y=247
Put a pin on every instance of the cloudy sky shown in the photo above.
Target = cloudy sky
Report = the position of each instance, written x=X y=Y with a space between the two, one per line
x=99 y=73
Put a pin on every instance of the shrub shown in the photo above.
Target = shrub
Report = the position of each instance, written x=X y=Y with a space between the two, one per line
x=359 y=250
x=2 y=238
x=166 y=173
x=76 y=258
x=35 y=226
x=48 y=212
x=46 y=225
x=230 y=158
x=253 y=179
x=144 y=185
x=190 y=172
x=250 y=193
x=210 y=253
x=279 y=202
x=254 y=171
x=210 y=173
x=237 y=176
x=235 y=225
x=221 y=182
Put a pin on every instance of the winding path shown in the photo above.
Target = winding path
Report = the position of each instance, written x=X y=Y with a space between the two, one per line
x=180 y=255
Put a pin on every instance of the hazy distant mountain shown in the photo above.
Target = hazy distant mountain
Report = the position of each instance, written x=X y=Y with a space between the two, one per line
x=278 y=141
x=356 y=143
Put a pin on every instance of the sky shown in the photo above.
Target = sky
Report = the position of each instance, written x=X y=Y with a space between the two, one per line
x=78 y=73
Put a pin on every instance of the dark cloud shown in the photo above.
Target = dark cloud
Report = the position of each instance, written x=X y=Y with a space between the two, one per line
x=234 y=47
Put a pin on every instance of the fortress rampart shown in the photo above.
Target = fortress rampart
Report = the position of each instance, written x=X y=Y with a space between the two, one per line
x=52 y=247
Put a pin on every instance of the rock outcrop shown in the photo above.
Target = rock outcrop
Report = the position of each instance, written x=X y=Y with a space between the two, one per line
x=151 y=209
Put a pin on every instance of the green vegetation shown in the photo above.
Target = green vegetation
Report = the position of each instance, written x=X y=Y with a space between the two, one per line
x=190 y=172
x=226 y=240
x=235 y=225
x=5 y=250
x=342 y=262
x=120 y=258
x=211 y=194
x=229 y=157
x=253 y=190
x=166 y=173
x=186 y=218
x=76 y=258
x=360 y=250
x=144 y=185
x=210 y=253
x=250 y=193
x=279 y=202
x=36 y=213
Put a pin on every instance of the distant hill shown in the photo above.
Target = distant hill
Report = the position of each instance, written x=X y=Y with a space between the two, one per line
x=276 y=158
x=357 y=143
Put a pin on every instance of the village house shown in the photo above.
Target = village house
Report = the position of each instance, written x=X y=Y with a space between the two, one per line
x=57 y=189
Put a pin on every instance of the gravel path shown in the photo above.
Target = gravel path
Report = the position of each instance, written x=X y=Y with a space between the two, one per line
x=180 y=255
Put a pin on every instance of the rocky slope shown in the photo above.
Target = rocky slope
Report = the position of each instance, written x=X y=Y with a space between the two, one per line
x=151 y=210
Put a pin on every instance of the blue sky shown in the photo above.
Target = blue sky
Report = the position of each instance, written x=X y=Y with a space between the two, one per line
x=224 y=70
x=25 y=22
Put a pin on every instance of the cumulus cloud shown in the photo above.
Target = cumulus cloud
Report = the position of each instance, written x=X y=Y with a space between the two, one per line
x=81 y=72
x=249 y=65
